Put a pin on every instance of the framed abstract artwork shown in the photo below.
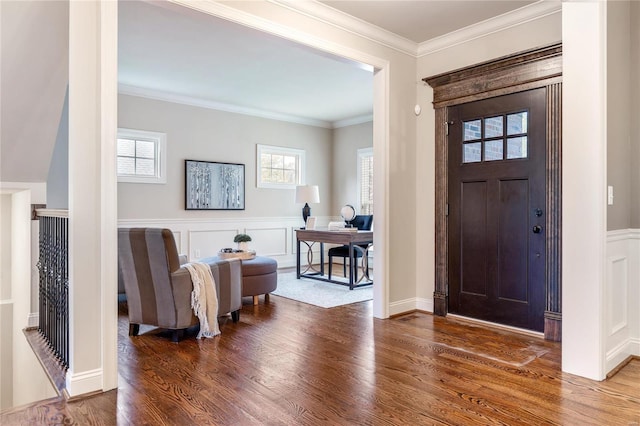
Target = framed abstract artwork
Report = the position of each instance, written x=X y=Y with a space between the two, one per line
x=214 y=186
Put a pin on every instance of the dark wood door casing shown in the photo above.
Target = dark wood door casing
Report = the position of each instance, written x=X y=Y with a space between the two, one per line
x=535 y=68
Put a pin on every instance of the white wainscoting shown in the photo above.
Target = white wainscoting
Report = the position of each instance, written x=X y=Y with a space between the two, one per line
x=199 y=238
x=622 y=296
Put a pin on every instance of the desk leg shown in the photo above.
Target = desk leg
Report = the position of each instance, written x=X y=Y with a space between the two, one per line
x=351 y=259
x=321 y=258
x=297 y=258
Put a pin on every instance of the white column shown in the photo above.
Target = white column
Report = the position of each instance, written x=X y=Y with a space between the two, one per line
x=92 y=196
x=584 y=155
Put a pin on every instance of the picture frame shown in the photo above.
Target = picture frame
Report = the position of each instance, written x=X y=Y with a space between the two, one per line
x=211 y=185
x=311 y=223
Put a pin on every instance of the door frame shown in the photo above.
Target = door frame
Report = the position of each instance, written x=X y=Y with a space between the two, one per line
x=531 y=69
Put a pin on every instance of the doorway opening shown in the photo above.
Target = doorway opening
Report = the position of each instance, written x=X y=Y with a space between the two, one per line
x=379 y=124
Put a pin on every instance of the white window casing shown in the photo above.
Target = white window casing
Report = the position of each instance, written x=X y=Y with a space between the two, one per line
x=279 y=167
x=141 y=156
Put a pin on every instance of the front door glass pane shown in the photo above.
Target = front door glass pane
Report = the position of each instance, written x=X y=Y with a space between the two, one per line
x=517 y=147
x=517 y=123
x=472 y=152
x=472 y=130
x=493 y=150
x=493 y=127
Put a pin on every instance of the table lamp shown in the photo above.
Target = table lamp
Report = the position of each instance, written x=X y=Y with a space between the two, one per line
x=307 y=194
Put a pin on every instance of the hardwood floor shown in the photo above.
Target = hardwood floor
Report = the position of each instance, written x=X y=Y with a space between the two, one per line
x=294 y=364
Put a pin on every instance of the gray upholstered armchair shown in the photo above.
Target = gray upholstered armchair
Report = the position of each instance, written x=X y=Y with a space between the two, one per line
x=159 y=289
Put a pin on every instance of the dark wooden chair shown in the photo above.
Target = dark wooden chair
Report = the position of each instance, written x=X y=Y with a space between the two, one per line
x=363 y=223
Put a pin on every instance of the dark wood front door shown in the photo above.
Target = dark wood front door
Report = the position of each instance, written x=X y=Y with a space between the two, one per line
x=496 y=209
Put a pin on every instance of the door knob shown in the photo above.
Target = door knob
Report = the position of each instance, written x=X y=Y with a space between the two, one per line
x=537 y=229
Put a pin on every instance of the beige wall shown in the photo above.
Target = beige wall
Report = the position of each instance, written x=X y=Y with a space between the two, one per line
x=619 y=159
x=635 y=111
x=346 y=143
x=196 y=133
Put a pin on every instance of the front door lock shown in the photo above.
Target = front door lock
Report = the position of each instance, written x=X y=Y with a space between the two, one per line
x=537 y=229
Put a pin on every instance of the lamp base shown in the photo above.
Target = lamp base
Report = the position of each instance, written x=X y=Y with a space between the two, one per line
x=306 y=212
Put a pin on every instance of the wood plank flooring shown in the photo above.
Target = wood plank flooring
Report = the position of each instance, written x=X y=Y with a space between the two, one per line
x=288 y=363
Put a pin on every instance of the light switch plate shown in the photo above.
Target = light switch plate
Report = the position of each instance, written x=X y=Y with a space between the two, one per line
x=610 y=195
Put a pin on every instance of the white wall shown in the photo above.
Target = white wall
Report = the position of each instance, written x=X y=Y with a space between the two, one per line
x=22 y=378
x=93 y=310
x=6 y=305
x=30 y=383
x=584 y=188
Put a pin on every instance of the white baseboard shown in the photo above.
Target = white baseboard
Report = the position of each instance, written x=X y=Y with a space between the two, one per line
x=412 y=304
x=621 y=352
x=423 y=304
x=84 y=383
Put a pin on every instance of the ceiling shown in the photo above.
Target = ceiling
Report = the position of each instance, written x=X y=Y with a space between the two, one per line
x=420 y=21
x=177 y=54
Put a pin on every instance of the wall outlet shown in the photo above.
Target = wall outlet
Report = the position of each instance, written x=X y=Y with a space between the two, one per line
x=196 y=253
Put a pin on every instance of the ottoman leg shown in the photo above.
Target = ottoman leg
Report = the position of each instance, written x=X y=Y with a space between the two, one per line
x=235 y=316
x=266 y=298
x=255 y=300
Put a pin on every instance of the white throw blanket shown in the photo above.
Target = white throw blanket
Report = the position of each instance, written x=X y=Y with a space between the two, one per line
x=204 y=299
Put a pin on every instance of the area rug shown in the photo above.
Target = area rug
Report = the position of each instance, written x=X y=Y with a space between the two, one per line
x=319 y=293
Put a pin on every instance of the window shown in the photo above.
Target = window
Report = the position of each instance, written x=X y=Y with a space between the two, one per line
x=365 y=180
x=279 y=167
x=141 y=156
x=497 y=141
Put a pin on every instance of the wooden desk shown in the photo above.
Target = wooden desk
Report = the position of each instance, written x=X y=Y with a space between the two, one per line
x=352 y=239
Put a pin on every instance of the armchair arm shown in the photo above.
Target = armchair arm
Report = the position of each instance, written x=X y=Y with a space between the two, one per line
x=182 y=287
x=228 y=277
x=227 y=274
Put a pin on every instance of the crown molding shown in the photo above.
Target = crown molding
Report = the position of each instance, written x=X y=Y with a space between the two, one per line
x=351 y=24
x=219 y=106
x=337 y=18
x=158 y=95
x=502 y=22
x=353 y=121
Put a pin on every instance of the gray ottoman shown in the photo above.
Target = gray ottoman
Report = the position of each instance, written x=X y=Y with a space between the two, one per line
x=259 y=276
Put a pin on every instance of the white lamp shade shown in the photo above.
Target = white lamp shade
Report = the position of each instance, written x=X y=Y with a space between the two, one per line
x=307 y=194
